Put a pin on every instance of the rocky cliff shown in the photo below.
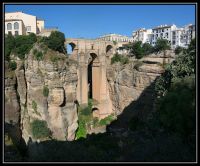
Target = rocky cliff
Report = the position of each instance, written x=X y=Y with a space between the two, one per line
x=43 y=90
x=127 y=82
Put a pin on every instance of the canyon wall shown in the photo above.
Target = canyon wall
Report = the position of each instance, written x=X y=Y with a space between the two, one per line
x=26 y=100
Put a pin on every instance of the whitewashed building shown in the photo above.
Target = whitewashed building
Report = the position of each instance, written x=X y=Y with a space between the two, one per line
x=144 y=35
x=19 y=23
x=175 y=36
x=115 y=37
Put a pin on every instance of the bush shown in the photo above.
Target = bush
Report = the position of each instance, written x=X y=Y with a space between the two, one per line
x=39 y=56
x=178 y=50
x=107 y=120
x=137 y=50
x=35 y=51
x=147 y=48
x=24 y=44
x=177 y=108
x=12 y=65
x=161 y=45
x=9 y=45
x=40 y=129
x=34 y=105
x=45 y=91
x=119 y=58
x=56 y=41
x=81 y=132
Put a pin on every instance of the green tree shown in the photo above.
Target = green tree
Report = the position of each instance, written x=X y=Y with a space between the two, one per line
x=137 y=50
x=9 y=45
x=161 y=45
x=147 y=48
x=178 y=50
x=24 y=44
x=56 y=41
x=12 y=65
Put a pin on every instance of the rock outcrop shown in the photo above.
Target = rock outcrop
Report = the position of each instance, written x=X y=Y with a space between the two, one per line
x=56 y=106
x=127 y=82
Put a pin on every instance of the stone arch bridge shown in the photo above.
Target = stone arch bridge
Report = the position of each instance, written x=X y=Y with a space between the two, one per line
x=92 y=57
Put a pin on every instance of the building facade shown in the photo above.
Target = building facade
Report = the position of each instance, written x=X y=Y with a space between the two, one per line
x=19 y=23
x=143 y=35
x=175 y=36
x=116 y=38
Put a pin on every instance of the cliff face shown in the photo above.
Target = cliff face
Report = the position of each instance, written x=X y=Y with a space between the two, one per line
x=127 y=82
x=55 y=105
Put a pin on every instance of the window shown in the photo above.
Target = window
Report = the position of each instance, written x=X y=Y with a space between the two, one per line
x=9 y=26
x=9 y=32
x=174 y=42
x=16 y=25
x=16 y=33
x=28 y=28
x=162 y=30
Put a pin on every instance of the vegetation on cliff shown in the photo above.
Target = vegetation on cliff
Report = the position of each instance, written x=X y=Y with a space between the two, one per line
x=140 y=50
x=176 y=95
x=22 y=44
x=119 y=58
x=40 y=129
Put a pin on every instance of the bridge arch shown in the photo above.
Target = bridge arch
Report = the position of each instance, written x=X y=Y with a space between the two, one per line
x=70 y=47
x=109 y=49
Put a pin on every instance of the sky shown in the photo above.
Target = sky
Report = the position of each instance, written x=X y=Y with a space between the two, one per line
x=92 y=21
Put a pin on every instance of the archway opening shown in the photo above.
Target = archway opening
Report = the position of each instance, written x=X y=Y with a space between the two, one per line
x=109 y=49
x=70 y=48
x=92 y=58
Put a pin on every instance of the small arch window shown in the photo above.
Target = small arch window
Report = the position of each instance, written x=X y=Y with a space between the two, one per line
x=9 y=26
x=16 y=25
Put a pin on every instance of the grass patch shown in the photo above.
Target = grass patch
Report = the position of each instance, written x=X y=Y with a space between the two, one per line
x=40 y=129
x=107 y=120
x=119 y=58
x=34 y=106
x=45 y=91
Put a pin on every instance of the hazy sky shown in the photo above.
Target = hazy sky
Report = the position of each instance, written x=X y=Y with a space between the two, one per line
x=91 y=21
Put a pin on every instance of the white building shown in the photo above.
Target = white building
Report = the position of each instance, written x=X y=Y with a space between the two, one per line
x=144 y=35
x=116 y=38
x=163 y=32
x=19 y=23
x=175 y=36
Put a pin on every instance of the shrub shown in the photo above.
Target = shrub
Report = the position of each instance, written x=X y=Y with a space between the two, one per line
x=35 y=51
x=177 y=108
x=34 y=105
x=147 y=48
x=106 y=120
x=178 y=50
x=161 y=45
x=81 y=132
x=9 y=45
x=24 y=43
x=119 y=58
x=12 y=65
x=45 y=91
x=55 y=58
x=56 y=41
x=39 y=55
x=137 y=50
x=40 y=129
